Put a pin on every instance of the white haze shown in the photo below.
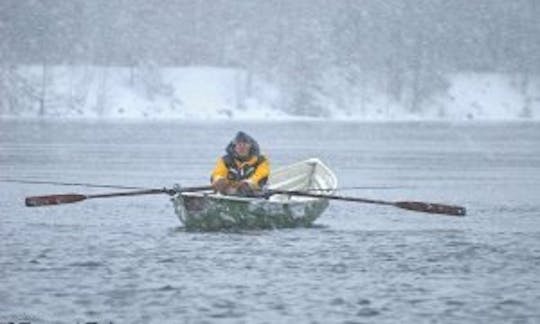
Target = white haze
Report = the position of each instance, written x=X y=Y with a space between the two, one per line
x=363 y=60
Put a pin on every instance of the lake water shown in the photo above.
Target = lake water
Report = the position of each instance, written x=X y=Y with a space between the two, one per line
x=128 y=260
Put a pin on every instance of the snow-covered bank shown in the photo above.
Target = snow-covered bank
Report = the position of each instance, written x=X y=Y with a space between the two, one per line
x=119 y=92
x=201 y=93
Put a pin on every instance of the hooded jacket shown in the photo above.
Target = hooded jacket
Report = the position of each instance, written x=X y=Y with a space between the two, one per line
x=255 y=168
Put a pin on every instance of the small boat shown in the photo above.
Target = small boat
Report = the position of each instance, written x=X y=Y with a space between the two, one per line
x=209 y=211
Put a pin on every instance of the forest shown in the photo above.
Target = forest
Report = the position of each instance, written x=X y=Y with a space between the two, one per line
x=306 y=48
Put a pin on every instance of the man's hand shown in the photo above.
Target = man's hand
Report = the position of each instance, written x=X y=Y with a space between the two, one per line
x=221 y=186
x=245 y=189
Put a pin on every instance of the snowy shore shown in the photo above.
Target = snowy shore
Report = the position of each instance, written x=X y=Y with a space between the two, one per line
x=209 y=93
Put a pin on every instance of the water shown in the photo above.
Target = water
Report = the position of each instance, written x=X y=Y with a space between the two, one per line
x=128 y=260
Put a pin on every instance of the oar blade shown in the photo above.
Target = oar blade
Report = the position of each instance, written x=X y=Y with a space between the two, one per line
x=53 y=200
x=432 y=208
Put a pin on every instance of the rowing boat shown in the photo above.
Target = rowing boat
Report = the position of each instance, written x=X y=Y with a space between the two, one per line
x=209 y=211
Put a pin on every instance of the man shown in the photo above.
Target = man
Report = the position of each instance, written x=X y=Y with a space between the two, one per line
x=243 y=170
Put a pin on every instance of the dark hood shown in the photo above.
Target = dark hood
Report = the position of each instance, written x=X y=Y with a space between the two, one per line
x=255 y=150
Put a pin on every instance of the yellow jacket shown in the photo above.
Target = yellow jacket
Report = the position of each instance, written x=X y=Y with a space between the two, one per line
x=256 y=170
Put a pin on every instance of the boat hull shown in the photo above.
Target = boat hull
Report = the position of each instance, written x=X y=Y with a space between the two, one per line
x=210 y=212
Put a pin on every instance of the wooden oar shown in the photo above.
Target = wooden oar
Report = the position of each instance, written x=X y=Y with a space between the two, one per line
x=418 y=206
x=37 y=201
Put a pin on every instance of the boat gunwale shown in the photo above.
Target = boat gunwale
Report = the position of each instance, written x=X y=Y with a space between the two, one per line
x=216 y=196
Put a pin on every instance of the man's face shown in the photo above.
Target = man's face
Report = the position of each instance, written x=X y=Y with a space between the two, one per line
x=242 y=148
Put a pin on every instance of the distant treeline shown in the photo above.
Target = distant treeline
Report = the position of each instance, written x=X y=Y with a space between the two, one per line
x=405 y=46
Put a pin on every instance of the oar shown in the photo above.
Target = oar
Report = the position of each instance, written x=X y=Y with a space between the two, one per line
x=418 y=206
x=37 y=201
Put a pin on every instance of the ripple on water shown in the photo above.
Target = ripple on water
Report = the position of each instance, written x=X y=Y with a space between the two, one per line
x=87 y=264
x=367 y=312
